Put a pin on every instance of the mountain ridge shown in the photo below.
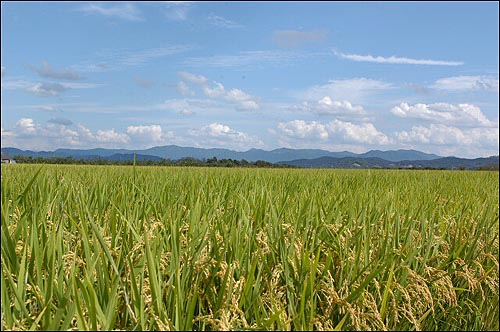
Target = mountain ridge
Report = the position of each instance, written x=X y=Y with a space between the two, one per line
x=175 y=152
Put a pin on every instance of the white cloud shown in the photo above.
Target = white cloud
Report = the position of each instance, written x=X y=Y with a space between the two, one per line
x=114 y=60
x=186 y=112
x=364 y=133
x=133 y=58
x=14 y=84
x=177 y=10
x=217 y=134
x=251 y=59
x=196 y=79
x=396 y=60
x=59 y=133
x=242 y=100
x=462 y=83
x=440 y=134
x=327 y=106
x=184 y=89
x=47 y=71
x=222 y=22
x=61 y=121
x=462 y=114
x=150 y=134
x=46 y=89
x=295 y=38
x=26 y=126
x=126 y=11
x=112 y=136
x=6 y=134
x=3 y=71
x=303 y=129
x=216 y=90
x=353 y=89
x=338 y=131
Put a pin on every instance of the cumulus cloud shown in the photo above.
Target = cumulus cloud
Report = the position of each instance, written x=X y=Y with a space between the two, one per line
x=111 y=136
x=295 y=38
x=242 y=100
x=59 y=132
x=216 y=90
x=46 y=89
x=303 y=129
x=151 y=133
x=396 y=60
x=337 y=130
x=462 y=83
x=463 y=114
x=440 y=134
x=364 y=133
x=47 y=71
x=217 y=134
x=327 y=106
x=25 y=126
x=126 y=11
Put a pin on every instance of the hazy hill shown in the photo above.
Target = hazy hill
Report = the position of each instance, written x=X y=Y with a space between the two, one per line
x=175 y=152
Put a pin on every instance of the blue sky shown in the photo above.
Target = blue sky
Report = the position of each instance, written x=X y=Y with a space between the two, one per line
x=338 y=76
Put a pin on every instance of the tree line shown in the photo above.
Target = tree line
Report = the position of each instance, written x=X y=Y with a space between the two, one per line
x=210 y=162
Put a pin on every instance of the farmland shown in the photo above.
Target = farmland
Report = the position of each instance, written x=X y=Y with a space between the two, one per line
x=171 y=248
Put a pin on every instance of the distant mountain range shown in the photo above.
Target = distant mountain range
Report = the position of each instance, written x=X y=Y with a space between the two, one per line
x=350 y=162
x=296 y=157
x=175 y=152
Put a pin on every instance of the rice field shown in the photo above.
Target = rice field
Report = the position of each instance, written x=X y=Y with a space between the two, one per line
x=167 y=248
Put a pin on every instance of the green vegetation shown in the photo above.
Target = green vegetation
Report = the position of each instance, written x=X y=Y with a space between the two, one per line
x=210 y=162
x=148 y=248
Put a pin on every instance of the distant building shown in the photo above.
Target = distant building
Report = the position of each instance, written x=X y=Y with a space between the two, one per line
x=6 y=159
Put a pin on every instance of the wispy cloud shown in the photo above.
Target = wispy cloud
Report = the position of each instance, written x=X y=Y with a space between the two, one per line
x=295 y=38
x=126 y=11
x=46 y=89
x=177 y=10
x=47 y=71
x=461 y=83
x=61 y=121
x=396 y=60
x=222 y=22
x=112 y=60
x=243 y=60
x=353 y=89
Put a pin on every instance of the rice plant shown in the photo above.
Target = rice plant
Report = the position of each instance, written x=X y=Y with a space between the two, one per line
x=167 y=248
